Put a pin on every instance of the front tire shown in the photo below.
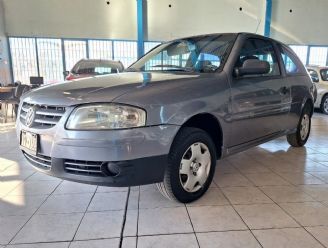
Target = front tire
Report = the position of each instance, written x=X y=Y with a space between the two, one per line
x=324 y=105
x=191 y=166
x=300 y=137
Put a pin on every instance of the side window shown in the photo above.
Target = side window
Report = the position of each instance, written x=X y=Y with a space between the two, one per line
x=291 y=65
x=261 y=50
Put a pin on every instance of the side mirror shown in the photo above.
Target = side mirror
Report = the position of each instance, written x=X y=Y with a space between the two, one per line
x=315 y=79
x=252 y=67
x=66 y=73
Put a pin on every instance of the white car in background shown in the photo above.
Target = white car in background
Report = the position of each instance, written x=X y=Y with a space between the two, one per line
x=319 y=75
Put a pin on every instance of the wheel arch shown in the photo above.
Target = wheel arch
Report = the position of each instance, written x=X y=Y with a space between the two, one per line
x=210 y=124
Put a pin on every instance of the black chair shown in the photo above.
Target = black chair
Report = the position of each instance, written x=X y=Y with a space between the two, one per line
x=5 y=98
x=20 y=90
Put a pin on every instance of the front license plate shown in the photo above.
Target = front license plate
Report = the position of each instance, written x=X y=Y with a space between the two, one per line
x=29 y=141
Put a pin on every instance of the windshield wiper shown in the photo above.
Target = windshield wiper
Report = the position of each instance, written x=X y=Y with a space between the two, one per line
x=176 y=67
x=131 y=69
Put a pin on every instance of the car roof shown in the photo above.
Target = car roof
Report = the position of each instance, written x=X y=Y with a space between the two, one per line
x=236 y=34
x=100 y=60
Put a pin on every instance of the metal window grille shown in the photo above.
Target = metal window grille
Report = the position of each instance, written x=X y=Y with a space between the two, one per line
x=50 y=60
x=23 y=57
x=301 y=51
x=100 y=49
x=318 y=56
x=125 y=51
x=74 y=51
x=150 y=45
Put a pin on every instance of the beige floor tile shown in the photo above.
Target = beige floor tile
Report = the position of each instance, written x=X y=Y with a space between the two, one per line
x=99 y=225
x=320 y=233
x=213 y=197
x=108 y=201
x=300 y=178
x=49 y=228
x=245 y=195
x=267 y=179
x=35 y=188
x=164 y=241
x=41 y=245
x=129 y=242
x=68 y=203
x=164 y=221
x=67 y=187
x=9 y=175
x=38 y=176
x=286 y=194
x=7 y=186
x=286 y=238
x=224 y=166
x=131 y=223
x=307 y=213
x=152 y=198
x=134 y=199
x=229 y=180
x=20 y=204
x=215 y=218
x=318 y=192
x=9 y=226
x=103 y=189
x=322 y=175
x=108 y=243
x=227 y=239
x=262 y=216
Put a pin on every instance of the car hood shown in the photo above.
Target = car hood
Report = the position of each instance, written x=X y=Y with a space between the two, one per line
x=98 y=89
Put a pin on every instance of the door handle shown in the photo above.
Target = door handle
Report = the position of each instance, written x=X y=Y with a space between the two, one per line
x=284 y=90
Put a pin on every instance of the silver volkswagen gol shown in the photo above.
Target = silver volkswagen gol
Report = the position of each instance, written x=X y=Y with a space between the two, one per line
x=171 y=115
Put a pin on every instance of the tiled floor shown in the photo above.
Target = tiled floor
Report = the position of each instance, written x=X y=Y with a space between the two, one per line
x=270 y=196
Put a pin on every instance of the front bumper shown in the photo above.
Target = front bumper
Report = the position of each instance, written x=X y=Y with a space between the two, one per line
x=138 y=156
x=127 y=173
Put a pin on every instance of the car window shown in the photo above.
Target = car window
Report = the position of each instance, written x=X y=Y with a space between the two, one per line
x=314 y=75
x=195 y=54
x=261 y=50
x=95 y=68
x=291 y=66
x=324 y=74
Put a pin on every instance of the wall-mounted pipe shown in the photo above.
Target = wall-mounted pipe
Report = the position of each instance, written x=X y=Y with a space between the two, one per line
x=268 y=15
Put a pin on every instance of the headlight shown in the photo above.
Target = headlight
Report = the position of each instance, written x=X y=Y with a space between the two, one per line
x=106 y=116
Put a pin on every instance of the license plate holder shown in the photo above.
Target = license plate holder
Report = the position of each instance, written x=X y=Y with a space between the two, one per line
x=29 y=141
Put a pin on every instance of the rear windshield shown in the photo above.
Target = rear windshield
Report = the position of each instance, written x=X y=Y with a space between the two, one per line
x=96 y=67
x=324 y=74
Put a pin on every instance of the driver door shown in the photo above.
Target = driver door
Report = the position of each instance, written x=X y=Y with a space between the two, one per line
x=258 y=104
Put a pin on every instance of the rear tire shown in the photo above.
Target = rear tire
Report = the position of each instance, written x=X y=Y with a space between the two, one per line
x=300 y=137
x=324 y=105
x=191 y=166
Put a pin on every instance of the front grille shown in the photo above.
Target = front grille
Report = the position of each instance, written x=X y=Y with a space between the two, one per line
x=86 y=168
x=45 y=116
x=39 y=160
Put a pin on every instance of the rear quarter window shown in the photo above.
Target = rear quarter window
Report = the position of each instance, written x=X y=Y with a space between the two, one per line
x=291 y=62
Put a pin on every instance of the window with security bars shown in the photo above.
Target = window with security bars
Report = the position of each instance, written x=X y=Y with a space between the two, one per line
x=301 y=52
x=24 y=60
x=125 y=51
x=318 y=56
x=100 y=49
x=150 y=45
x=50 y=60
x=75 y=50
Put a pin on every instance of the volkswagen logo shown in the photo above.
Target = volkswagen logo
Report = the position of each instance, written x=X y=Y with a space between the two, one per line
x=30 y=115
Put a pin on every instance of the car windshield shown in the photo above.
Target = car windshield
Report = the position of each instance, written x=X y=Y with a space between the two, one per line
x=96 y=67
x=324 y=74
x=197 y=54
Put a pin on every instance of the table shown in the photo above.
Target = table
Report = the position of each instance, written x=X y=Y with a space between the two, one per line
x=6 y=89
